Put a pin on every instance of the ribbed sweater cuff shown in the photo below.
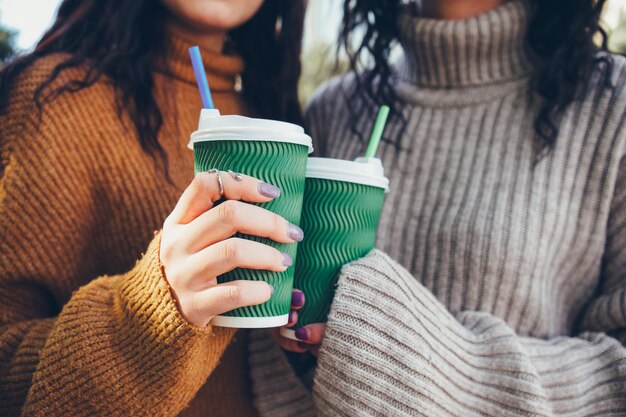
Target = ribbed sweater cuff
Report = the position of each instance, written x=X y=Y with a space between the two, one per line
x=148 y=305
x=121 y=347
x=174 y=357
x=357 y=342
x=391 y=348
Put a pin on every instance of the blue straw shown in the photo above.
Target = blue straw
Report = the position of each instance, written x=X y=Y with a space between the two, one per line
x=203 y=84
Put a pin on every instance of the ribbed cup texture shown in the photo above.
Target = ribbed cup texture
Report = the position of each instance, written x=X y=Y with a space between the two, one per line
x=282 y=165
x=339 y=220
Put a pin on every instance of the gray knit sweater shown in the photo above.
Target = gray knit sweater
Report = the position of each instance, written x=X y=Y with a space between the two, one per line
x=503 y=288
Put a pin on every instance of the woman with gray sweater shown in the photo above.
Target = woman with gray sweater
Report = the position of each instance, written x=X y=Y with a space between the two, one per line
x=499 y=286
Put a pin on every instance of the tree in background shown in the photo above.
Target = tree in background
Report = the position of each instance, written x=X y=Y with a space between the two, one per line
x=617 y=38
x=7 y=45
x=319 y=64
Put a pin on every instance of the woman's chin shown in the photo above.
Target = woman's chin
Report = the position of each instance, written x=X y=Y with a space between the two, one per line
x=213 y=15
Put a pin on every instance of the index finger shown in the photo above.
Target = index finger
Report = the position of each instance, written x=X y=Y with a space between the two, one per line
x=204 y=191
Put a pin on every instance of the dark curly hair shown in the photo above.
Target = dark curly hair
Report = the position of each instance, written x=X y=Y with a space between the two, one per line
x=560 y=38
x=123 y=40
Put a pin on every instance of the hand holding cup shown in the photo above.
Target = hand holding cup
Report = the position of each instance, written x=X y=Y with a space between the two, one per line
x=197 y=245
x=309 y=337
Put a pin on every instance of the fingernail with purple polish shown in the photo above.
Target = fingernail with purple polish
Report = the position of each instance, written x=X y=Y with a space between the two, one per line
x=271 y=289
x=302 y=334
x=287 y=260
x=292 y=317
x=268 y=190
x=295 y=233
x=297 y=298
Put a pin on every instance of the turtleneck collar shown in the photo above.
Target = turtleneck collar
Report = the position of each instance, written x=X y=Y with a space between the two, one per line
x=222 y=70
x=486 y=49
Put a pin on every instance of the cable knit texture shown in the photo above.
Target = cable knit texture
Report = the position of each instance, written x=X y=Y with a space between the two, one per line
x=507 y=290
x=83 y=331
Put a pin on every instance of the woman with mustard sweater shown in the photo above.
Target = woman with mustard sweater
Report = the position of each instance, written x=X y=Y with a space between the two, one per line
x=101 y=315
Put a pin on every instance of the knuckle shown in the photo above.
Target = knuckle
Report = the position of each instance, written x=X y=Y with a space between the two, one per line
x=200 y=180
x=231 y=250
x=234 y=295
x=166 y=251
x=228 y=211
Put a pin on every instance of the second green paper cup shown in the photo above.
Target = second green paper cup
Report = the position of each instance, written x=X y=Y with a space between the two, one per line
x=342 y=205
x=274 y=152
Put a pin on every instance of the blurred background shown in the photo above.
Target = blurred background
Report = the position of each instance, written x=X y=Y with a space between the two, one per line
x=22 y=22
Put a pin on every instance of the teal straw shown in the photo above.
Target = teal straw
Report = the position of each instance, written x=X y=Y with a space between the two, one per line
x=377 y=132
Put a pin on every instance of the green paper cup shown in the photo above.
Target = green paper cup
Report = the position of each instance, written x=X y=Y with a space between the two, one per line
x=274 y=152
x=342 y=205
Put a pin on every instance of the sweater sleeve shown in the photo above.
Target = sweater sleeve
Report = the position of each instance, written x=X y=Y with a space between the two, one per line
x=118 y=345
x=391 y=348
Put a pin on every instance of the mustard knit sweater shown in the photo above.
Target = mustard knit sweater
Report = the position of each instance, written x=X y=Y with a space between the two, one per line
x=87 y=322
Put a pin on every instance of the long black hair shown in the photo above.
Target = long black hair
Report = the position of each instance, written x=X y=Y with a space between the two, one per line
x=123 y=40
x=560 y=38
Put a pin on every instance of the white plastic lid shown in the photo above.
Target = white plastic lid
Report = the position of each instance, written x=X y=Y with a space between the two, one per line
x=213 y=127
x=367 y=171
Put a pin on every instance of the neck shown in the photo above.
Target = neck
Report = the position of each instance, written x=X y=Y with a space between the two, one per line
x=458 y=9
x=210 y=40
x=483 y=50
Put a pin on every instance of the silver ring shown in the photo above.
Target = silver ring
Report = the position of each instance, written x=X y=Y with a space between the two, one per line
x=219 y=180
x=237 y=176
